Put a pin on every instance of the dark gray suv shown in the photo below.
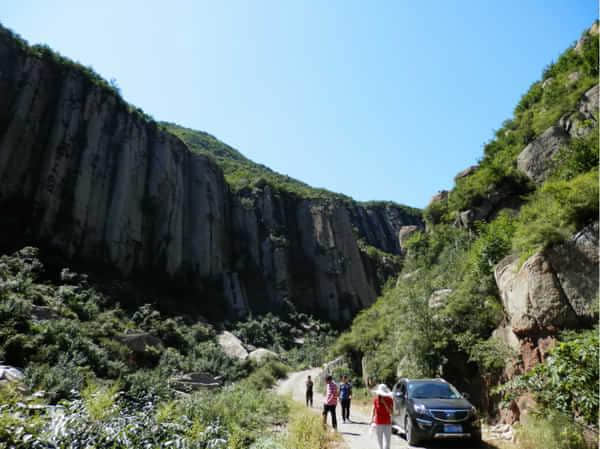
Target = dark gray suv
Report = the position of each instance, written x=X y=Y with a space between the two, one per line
x=427 y=409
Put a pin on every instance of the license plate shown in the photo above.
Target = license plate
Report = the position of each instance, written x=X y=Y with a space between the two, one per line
x=452 y=428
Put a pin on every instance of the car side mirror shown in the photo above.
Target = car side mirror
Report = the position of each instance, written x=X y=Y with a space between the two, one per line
x=466 y=395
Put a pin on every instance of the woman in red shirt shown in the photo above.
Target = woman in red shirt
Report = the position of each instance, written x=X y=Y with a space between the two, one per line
x=381 y=417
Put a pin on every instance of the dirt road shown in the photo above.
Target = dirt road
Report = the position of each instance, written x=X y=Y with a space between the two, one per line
x=355 y=433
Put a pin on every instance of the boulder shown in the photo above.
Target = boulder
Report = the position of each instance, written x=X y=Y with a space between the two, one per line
x=10 y=374
x=442 y=195
x=547 y=82
x=532 y=296
x=507 y=336
x=581 y=122
x=591 y=32
x=536 y=158
x=404 y=234
x=466 y=172
x=140 y=342
x=576 y=264
x=232 y=346
x=261 y=354
x=438 y=298
x=195 y=381
x=43 y=313
x=573 y=77
x=588 y=105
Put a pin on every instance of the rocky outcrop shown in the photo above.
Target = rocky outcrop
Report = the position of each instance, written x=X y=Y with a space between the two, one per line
x=194 y=381
x=536 y=158
x=466 y=172
x=10 y=374
x=554 y=289
x=261 y=355
x=405 y=233
x=532 y=296
x=82 y=173
x=232 y=346
x=141 y=343
x=85 y=174
x=439 y=298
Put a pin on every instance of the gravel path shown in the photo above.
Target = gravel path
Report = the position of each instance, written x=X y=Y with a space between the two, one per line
x=355 y=433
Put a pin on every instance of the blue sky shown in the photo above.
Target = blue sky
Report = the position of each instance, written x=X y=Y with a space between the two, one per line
x=377 y=100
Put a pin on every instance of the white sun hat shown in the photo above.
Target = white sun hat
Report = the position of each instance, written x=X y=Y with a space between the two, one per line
x=383 y=390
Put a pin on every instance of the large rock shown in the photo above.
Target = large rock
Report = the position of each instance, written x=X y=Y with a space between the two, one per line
x=506 y=335
x=532 y=296
x=141 y=342
x=466 y=172
x=405 y=233
x=536 y=158
x=232 y=346
x=554 y=289
x=583 y=121
x=195 y=381
x=10 y=374
x=439 y=298
x=261 y=355
x=575 y=263
x=593 y=31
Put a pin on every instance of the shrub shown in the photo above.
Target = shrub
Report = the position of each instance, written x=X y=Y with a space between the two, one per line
x=59 y=380
x=549 y=431
x=556 y=211
x=568 y=380
x=306 y=431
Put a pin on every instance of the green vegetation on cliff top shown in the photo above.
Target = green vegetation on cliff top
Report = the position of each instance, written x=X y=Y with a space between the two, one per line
x=242 y=173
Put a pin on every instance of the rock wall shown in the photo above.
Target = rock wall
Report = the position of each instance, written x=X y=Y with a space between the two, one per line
x=81 y=172
x=305 y=252
x=84 y=173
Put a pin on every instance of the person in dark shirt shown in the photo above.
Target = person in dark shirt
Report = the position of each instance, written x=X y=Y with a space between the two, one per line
x=309 y=392
x=345 y=397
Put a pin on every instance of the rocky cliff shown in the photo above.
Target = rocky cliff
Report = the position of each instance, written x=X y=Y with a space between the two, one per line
x=86 y=174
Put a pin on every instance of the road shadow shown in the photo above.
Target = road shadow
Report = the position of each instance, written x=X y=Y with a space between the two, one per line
x=362 y=423
x=351 y=434
x=458 y=444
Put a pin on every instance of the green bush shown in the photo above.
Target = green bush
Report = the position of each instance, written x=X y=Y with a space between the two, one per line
x=555 y=212
x=550 y=431
x=568 y=380
x=579 y=156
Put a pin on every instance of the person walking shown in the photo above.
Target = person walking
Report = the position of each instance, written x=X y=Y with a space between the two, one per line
x=381 y=416
x=309 y=392
x=345 y=397
x=331 y=397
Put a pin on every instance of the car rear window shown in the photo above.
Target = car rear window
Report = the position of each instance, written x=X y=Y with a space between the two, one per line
x=432 y=390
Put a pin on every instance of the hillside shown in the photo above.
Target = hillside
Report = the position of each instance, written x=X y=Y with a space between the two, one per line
x=504 y=281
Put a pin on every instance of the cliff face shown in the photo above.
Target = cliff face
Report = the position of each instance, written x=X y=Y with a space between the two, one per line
x=99 y=182
x=83 y=173
x=306 y=251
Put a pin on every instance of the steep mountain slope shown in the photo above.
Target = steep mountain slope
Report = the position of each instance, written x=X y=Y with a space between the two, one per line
x=509 y=261
x=86 y=174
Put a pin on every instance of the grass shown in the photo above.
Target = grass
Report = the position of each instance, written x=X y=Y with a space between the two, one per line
x=306 y=430
x=549 y=432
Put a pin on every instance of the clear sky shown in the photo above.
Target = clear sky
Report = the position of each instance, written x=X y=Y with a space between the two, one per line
x=378 y=99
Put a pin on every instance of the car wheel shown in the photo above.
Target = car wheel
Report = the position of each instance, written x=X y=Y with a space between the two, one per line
x=411 y=438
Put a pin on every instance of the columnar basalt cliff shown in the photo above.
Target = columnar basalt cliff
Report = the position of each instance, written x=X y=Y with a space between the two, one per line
x=86 y=174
